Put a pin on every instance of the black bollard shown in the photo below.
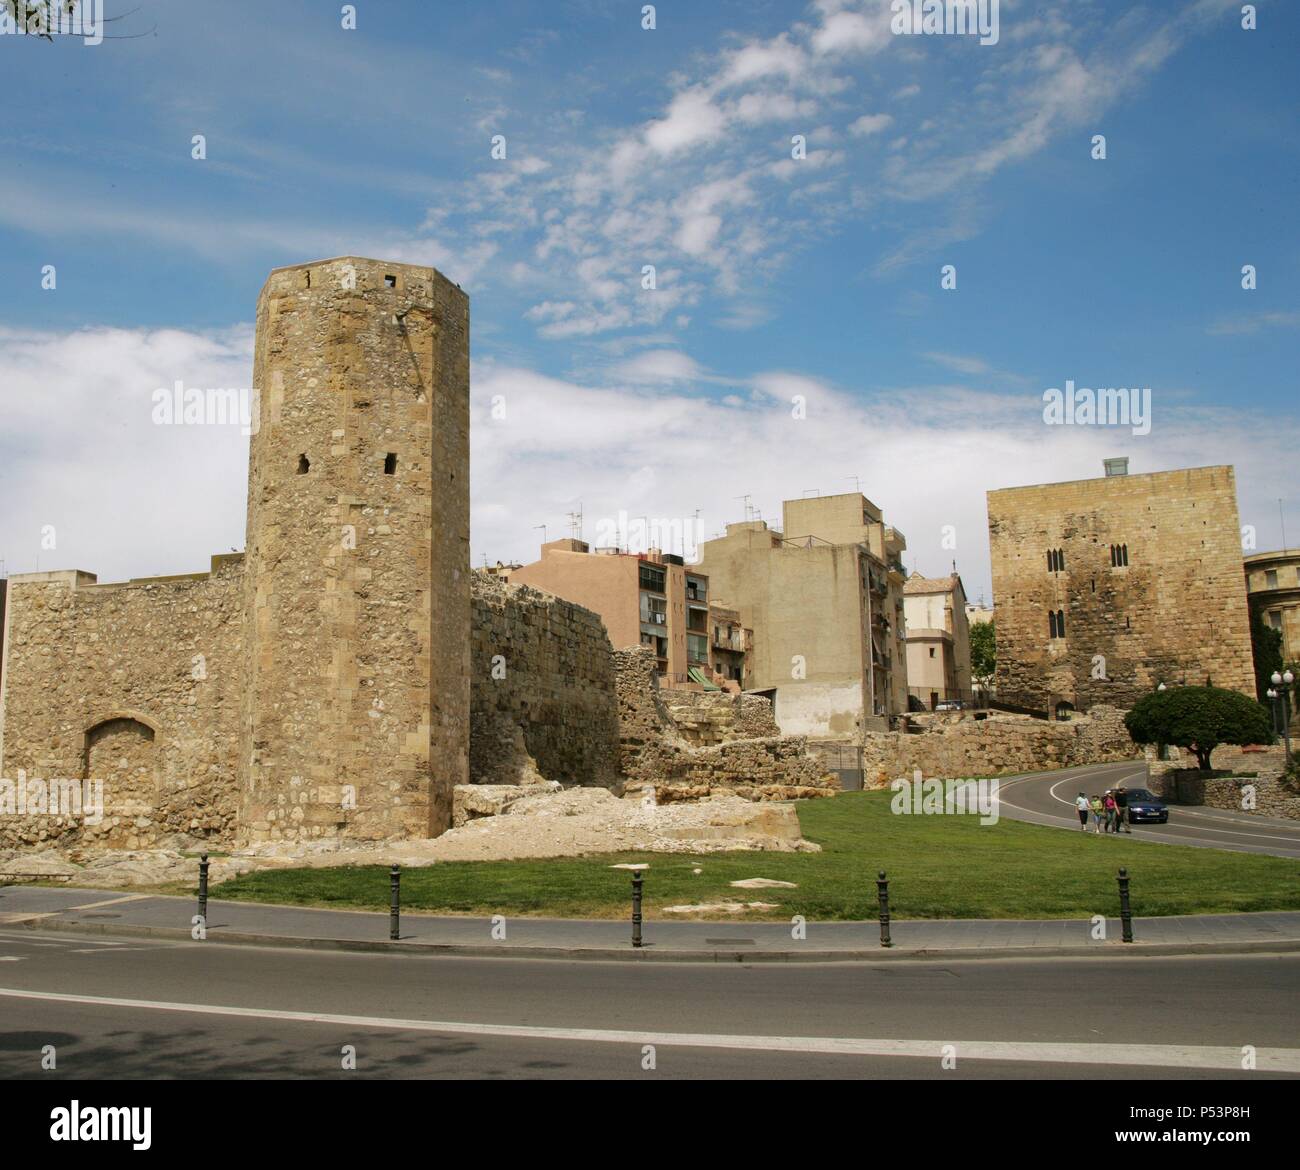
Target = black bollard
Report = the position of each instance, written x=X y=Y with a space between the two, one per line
x=1125 y=913
x=203 y=888
x=637 y=881
x=395 y=903
x=882 y=888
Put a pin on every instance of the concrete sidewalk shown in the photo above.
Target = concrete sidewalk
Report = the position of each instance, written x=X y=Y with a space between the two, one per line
x=249 y=923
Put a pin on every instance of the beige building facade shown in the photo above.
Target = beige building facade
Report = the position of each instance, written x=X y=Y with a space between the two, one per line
x=938 y=641
x=1273 y=591
x=824 y=598
x=1107 y=587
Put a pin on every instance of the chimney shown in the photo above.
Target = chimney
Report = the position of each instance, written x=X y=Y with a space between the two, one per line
x=1118 y=466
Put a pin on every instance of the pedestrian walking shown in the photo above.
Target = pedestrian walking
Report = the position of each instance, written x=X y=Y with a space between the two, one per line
x=1097 y=812
x=1121 y=802
x=1081 y=805
x=1112 y=812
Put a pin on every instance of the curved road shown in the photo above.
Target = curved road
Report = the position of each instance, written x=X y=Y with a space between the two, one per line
x=1047 y=798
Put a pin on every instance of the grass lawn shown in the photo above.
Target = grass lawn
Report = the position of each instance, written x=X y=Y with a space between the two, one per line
x=938 y=866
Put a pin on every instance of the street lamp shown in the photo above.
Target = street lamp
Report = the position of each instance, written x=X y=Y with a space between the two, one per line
x=1282 y=685
x=1271 y=695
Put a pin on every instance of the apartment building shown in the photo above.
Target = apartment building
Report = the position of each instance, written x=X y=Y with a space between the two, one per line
x=824 y=598
x=938 y=641
x=651 y=599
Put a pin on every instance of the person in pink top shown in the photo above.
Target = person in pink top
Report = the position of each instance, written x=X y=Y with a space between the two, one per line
x=1112 y=812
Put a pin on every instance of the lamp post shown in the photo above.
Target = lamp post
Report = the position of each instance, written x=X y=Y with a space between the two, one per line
x=1282 y=684
x=1271 y=694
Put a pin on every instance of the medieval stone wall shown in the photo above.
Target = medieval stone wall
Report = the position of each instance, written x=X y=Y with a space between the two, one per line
x=1001 y=745
x=542 y=694
x=1174 y=610
x=1259 y=770
x=657 y=753
x=707 y=718
x=135 y=685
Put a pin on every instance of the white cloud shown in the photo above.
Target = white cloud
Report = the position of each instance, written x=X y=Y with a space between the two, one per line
x=80 y=451
x=128 y=498
x=869 y=124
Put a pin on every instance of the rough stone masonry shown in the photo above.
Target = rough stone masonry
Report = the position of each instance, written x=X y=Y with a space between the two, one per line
x=318 y=686
x=346 y=678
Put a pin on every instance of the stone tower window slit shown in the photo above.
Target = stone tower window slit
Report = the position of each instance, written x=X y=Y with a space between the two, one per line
x=304 y=465
x=390 y=464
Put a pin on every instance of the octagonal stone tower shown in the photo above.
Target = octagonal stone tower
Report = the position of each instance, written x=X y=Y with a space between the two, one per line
x=355 y=713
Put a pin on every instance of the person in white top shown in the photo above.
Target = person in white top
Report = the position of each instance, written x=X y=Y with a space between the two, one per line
x=1081 y=803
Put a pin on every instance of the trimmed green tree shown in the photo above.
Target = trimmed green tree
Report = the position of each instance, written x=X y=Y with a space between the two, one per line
x=1266 y=645
x=983 y=652
x=1199 y=719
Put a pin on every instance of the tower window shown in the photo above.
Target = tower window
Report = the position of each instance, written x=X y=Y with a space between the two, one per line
x=1118 y=556
x=390 y=282
x=390 y=464
x=1056 y=560
x=304 y=465
x=1056 y=623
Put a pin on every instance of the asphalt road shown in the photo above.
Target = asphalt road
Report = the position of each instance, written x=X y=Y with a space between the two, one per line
x=1048 y=799
x=141 y=1009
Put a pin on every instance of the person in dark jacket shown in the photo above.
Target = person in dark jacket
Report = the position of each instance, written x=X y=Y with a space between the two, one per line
x=1121 y=799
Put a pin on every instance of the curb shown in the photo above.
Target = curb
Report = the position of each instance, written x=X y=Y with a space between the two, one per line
x=651 y=955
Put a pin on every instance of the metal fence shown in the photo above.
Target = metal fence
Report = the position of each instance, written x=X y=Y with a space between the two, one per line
x=946 y=699
x=844 y=759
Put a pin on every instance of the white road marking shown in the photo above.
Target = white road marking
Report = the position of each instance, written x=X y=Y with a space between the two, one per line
x=1051 y=1052
x=1172 y=837
x=111 y=902
x=26 y=939
x=10 y=959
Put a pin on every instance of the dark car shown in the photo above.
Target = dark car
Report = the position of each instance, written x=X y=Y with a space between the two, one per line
x=1146 y=806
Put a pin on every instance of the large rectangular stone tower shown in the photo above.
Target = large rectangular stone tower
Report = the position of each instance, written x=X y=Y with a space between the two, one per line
x=355 y=711
x=1107 y=587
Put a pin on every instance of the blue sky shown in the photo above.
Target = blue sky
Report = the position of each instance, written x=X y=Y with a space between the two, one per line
x=776 y=277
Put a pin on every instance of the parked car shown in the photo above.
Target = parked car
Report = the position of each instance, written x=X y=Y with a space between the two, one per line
x=1144 y=805
x=949 y=705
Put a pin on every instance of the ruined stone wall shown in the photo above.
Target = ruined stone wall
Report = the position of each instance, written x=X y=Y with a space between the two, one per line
x=706 y=718
x=1001 y=745
x=136 y=685
x=542 y=697
x=1177 y=779
x=657 y=753
x=1175 y=611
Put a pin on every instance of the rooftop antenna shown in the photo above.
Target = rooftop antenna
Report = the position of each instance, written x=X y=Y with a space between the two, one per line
x=575 y=522
x=857 y=483
x=747 y=508
x=543 y=528
x=1282 y=518
x=815 y=492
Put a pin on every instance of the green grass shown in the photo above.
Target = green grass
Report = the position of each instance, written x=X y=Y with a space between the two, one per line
x=938 y=866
